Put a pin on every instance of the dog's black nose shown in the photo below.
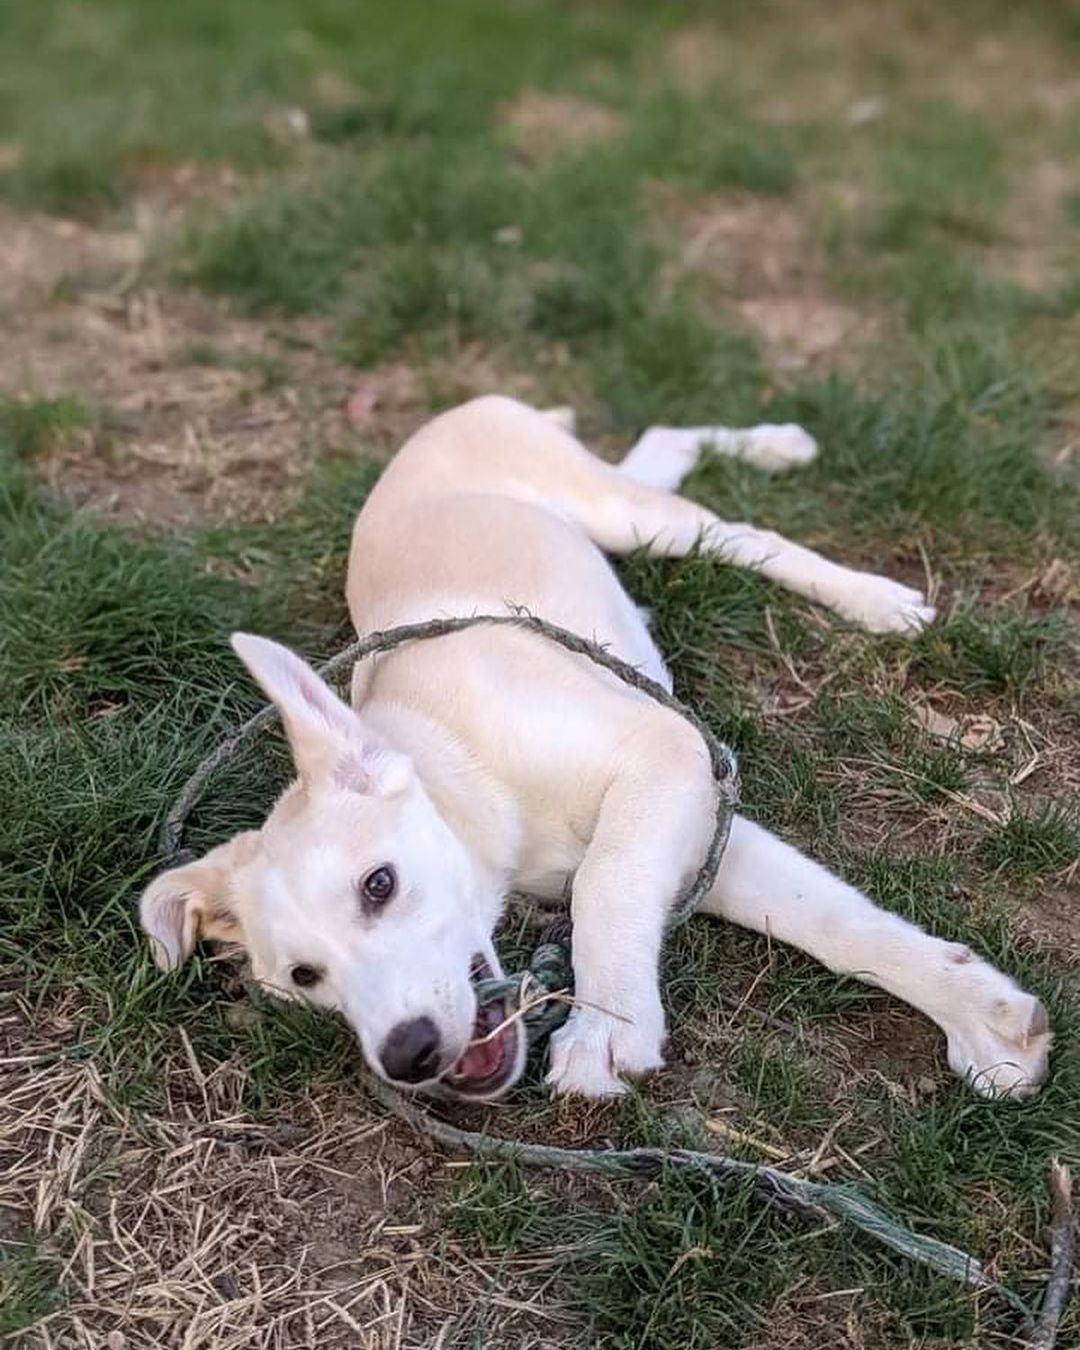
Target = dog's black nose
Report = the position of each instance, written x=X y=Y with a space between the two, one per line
x=411 y=1052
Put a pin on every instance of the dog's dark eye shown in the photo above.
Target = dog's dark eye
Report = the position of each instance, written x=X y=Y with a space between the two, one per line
x=305 y=976
x=380 y=885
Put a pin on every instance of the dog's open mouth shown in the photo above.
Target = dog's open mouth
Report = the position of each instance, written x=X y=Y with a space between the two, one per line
x=492 y=1054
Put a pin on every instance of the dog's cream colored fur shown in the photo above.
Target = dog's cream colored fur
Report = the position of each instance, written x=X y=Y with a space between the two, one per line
x=494 y=760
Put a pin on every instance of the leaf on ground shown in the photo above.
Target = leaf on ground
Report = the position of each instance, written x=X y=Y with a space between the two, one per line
x=391 y=384
x=978 y=733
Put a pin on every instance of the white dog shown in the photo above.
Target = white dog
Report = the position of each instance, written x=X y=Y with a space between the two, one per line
x=494 y=760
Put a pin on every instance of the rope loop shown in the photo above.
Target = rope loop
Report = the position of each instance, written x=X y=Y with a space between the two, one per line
x=550 y=966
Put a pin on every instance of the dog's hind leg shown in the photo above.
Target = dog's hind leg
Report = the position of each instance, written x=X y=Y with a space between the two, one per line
x=508 y=448
x=998 y=1037
x=627 y=515
x=663 y=456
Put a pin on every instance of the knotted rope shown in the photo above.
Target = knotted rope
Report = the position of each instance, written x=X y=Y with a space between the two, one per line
x=549 y=970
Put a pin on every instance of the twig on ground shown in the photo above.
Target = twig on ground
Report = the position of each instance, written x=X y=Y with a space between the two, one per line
x=1062 y=1253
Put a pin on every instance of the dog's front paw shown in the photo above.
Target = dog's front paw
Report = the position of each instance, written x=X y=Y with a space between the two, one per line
x=1001 y=1044
x=883 y=606
x=594 y=1052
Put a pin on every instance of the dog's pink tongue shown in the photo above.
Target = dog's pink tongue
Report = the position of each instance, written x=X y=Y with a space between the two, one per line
x=480 y=1060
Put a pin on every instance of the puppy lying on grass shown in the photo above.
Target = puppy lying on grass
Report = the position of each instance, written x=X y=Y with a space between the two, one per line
x=493 y=760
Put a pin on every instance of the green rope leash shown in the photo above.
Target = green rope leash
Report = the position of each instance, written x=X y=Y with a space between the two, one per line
x=781 y=1189
x=550 y=972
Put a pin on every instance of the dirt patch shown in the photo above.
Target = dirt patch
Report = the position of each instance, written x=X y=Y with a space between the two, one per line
x=37 y=253
x=542 y=125
x=760 y=260
x=747 y=244
x=802 y=330
x=697 y=56
x=202 y=413
x=823 y=1319
x=1051 y=920
x=1017 y=72
x=473 y=370
x=901 y=1050
x=165 y=190
x=1035 y=250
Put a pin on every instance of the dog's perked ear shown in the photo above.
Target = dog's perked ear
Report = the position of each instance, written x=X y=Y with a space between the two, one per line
x=190 y=903
x=326 y=737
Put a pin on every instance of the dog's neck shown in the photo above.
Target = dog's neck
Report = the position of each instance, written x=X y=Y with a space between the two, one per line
x=476 y=806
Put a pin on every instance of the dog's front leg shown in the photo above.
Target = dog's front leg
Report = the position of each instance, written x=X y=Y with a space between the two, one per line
x=617 y=1026
x=653 y=824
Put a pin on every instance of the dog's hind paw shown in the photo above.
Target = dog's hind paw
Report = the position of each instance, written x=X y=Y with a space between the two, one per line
x=774 y=447
x=1004 y=1049
x=594 y=1052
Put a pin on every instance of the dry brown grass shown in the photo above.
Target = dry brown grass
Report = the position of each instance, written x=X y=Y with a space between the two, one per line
x=817 y=61
x=205 y=413
x=198 y=1225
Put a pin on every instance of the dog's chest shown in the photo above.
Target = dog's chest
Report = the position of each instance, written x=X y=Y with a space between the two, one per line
x=547 y=863
x=550 y=885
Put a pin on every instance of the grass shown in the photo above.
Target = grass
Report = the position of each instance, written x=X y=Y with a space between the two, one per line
x=30 y=1289
x=941 y=176
x=1003 y=655
x=31 y=426
x=412 y=227
x=1035 y=843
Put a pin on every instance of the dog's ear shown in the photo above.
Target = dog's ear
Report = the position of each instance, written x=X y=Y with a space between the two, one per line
x=320 y=727
x=191 y=902
x=327 y=739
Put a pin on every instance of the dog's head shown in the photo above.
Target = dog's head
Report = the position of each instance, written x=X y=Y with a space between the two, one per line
x=355 y=895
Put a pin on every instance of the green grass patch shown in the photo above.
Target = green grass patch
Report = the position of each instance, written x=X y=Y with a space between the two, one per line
x=29 y=1286
x=118 y=678
x=707 y=144
x=30 y=426
x=951 y=458
x=1029 y=843
x=667 y=1268
x=942 y=175
x=209 y=81
x=981 y=651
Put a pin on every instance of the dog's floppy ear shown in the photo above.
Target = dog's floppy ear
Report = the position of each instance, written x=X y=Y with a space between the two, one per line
x=190 y=902
x=325 y=735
